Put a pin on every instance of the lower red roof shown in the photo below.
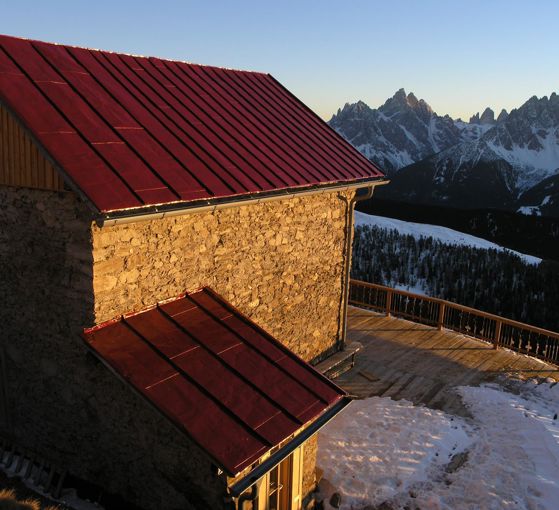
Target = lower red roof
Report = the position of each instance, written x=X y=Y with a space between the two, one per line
x=230 y=386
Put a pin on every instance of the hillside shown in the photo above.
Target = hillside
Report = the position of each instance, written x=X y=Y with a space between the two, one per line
x=531 y=234
x=453 y=266
x=437 y=233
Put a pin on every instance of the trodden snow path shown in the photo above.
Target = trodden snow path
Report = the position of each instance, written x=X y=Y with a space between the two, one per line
x=395 y=454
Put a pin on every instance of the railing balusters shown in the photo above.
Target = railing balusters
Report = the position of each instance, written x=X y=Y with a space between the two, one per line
x=440 y=321
x=445 y=314
x=497 y=337
x=388 y=302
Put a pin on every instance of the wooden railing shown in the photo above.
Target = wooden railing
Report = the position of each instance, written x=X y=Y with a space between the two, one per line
x=443 y=314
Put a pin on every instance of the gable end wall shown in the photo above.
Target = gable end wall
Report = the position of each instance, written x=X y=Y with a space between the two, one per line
x=281 y=263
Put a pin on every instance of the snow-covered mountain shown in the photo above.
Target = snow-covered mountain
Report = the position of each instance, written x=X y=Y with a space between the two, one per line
x=404 y=130
x=504 y=167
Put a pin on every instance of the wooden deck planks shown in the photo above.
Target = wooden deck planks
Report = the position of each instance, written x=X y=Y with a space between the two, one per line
x=402 y=359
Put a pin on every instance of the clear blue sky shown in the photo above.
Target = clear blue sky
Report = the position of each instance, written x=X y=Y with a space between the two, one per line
x=459 y=55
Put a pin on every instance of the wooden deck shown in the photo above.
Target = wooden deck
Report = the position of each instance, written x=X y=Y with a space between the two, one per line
x=406 y=360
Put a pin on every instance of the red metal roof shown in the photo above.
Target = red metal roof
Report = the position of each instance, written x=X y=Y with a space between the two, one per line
x=230 y=386
x=134 y=131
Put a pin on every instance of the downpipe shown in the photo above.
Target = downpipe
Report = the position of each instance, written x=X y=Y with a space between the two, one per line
x=368 y=193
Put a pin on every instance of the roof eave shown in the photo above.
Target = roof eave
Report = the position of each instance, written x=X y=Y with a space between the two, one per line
x=264 y=467
x=154 y=212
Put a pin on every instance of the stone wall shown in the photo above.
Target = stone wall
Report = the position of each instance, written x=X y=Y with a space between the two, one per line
x=280 y=263
x=62 y=401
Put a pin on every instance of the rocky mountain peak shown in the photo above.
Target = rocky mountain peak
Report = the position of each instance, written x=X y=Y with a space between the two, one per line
x=409 y=101
x=403 y=130
x=499 y=159
x=487 y=117
x=502 y=116
x=474 y=119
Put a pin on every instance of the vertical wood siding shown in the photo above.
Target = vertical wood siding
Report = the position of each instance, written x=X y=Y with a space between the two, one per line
x=21 y=163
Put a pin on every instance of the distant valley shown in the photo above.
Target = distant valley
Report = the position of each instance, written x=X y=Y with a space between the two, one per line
x=508 y=162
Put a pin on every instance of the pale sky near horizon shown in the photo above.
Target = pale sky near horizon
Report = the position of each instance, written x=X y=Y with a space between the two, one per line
x=460 y=56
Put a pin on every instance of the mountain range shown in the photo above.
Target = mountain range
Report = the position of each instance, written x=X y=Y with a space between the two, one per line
x=510 y=162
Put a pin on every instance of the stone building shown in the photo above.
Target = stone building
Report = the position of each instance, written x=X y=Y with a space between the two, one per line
x=189 y=228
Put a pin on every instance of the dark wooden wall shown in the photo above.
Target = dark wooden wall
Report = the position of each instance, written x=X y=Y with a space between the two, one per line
x=21 y=162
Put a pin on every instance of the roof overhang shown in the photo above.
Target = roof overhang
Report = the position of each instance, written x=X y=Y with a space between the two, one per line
x=247 y=481
x=220 y=379
x=183 y=208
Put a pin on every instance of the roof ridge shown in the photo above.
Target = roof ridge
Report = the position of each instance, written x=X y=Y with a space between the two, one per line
x=135 y=55
x=208 y=133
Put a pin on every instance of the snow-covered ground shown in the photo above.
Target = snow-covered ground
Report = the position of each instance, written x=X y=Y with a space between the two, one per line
x=382 y=452
x=442 y=234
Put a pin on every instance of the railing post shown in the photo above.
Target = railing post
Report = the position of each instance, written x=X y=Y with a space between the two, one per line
x=497 y=338
x=440 y=322
x=388 y=302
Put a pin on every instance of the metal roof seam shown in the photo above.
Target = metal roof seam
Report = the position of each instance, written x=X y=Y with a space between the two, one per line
x=298 y=131
x=28 y=39
x=233 y=129
x=329 y=136
x=209 y=154
x=349 y=150
x=265 y=355
x=109 y=68
x=319 y=170
x=229 y=418
x=232 y=369
x=200 y=387
x=328 y=144
x=77 y=131
x=46 y=154
x=133 y=133
x=174 y=421
x=223 y=110
x=257 y=123
x=267 y=335
x=179 y=109
x=238 y=149
x=108 y=124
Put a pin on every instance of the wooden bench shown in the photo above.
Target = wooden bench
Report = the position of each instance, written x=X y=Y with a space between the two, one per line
x=340 y=362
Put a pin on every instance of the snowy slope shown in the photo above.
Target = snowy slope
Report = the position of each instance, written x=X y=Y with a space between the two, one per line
x=379 y=451
x=442 y=234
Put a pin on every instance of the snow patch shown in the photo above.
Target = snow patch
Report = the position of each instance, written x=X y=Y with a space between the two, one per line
x=378 y=448
x=529 y=210
x=381 y=451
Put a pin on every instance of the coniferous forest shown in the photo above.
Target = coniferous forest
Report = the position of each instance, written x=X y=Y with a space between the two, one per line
x=498 y=282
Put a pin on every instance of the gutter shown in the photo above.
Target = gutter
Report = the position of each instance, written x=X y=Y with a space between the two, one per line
x=180 y=209
x=259 y=471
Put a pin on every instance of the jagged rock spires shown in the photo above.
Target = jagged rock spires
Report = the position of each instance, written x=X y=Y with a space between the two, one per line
x=403 y=130
x=502 y=116
x=487 y=117
x=486 y=162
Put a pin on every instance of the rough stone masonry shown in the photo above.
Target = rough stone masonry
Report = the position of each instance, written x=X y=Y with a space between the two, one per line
x=281 y=263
